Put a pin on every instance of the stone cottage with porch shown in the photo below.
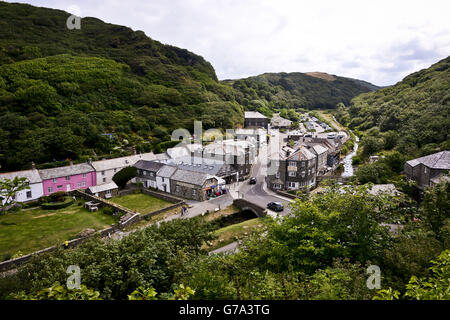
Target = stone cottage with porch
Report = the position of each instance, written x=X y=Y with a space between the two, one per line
x=193 y=185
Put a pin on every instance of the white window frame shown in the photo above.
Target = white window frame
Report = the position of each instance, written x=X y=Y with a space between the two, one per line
x=50 y=189
x=292 y=174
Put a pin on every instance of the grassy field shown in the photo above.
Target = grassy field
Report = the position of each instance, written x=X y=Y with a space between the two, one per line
x=34 y=229
x=140 y=202
x=231 y=233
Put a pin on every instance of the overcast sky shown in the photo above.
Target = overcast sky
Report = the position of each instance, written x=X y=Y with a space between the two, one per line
x=378 y=41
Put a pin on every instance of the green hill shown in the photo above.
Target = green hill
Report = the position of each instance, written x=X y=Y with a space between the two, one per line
x=272 y=91
x=61 y=90
x=64 y=92
x=411 y=116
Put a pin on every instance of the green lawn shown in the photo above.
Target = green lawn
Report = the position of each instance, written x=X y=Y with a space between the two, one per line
x=34 y=229
x=230 y=233
x=140 y=202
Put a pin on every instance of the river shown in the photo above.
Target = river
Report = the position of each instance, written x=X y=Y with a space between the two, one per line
x=348 y=168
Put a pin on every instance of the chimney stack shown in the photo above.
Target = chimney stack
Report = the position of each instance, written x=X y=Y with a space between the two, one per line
x=90 y=161
x=33 y=166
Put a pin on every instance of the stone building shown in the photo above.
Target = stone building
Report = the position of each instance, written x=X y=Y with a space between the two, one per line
x=146 y=172
x=426 y=171
x=254 y=119
x=296 y=170
x=194 y=185
x=239 y=154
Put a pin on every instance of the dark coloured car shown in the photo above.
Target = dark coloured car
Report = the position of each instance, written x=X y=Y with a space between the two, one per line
x=252 y=180
x=275 y=206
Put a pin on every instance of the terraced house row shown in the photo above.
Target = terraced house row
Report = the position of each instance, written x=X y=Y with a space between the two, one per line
x=72 y=177
x=190 y=171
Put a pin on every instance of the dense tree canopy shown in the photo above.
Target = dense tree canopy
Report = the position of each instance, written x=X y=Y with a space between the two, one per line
x=411 y=116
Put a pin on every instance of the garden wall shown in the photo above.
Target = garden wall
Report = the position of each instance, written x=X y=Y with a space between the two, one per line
x=130 y=218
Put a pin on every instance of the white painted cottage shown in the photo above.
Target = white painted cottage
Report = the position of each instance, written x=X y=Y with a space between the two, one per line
x=106 y=169
x=36 y=189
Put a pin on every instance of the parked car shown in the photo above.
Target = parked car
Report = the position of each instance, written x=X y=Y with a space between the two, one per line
x=275 y=206
x=252 y=180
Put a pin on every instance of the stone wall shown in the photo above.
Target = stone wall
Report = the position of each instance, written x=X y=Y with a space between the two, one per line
x=162 y=195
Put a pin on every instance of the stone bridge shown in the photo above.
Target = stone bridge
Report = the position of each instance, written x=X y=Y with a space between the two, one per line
x=247 y=205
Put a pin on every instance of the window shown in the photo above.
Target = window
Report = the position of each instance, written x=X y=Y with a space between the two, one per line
x=104 y=179
x=50 y=190
x=67 y=178
x=115 y=170
x=145 y=173
x=108 y=191
x=79 y=184
x=292 y=174
x=29 y=194
x=277 y=175
x=303 y=174
x=309 y=172
x=103 y=173
x=425 y=170
x=291 y=184
x=177 y=188
x=312 y=170
x=60 y=187
x=84 y=175
x=292 y=164
x=54 y=180
x=303 y=163
x=194 y=192
x=84 y=184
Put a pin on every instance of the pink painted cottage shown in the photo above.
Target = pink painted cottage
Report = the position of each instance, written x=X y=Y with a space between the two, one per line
x=72 y=177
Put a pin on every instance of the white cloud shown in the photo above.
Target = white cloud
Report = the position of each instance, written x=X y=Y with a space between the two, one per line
x=378 y=41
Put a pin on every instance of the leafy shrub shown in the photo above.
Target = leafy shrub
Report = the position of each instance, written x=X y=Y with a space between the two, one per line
x=57 y=205
x=31 y=204
x=108 y=210
x=122 y=177
x=58 y=196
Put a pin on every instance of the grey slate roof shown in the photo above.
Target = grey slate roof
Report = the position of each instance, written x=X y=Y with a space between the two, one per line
x=32 y=175
x=254 y=115
x=166 y=171
x=440 y=160
x=197 y=164
x=66 y=171
x=103 y=187
x=121 y=162
x=278 y=121
x=301 y=154
x=148 y=165
x=191 y=177
x=379 y=188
